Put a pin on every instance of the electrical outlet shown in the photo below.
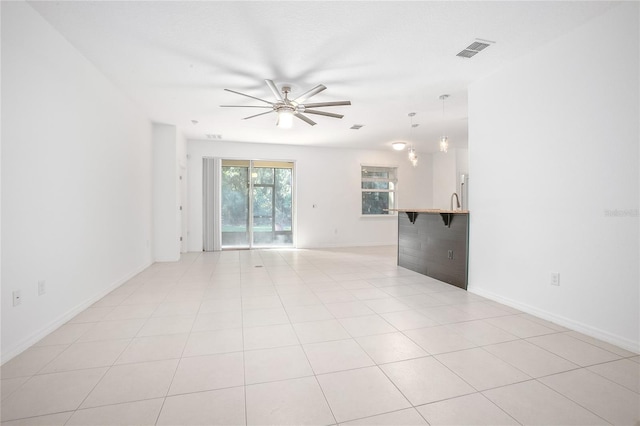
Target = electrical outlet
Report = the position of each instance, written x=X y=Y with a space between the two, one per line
x=17 y=297
x=555 y=278
x=42 y=289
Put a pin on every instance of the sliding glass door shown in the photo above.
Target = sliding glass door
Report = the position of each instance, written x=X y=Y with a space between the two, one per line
x=257 y=203
x=235 y=203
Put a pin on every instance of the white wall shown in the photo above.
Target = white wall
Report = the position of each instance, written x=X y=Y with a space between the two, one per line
x=168 y=149
x=416 y=183
x=76 y=180
x=328 y=178
x=553 y=144
x=445 y=170
x=462 y=168
x=182 y=191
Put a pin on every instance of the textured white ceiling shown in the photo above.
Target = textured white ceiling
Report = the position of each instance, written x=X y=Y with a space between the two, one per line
x=388 y=58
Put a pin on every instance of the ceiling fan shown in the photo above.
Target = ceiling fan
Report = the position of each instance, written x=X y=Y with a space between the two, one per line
x=288 y=108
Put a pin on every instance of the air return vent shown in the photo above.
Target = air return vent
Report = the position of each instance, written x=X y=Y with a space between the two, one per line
x=474 y=48
x=357 y=126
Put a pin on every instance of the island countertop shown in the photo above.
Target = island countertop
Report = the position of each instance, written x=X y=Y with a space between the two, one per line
x=429 y=211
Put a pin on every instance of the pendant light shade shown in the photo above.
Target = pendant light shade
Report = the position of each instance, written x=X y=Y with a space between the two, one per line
x=444 y=140
x=413 y=155
x=444 y=144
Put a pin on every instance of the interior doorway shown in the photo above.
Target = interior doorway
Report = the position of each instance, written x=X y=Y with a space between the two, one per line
x=257 y=204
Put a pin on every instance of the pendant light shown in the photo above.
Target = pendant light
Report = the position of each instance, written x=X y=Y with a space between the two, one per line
x=444 y=141
x=413 y=156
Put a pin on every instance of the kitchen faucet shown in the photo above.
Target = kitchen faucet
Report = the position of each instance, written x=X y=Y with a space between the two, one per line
x=457 y=201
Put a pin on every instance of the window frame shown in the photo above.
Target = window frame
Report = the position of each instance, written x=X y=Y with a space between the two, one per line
x=392 y=169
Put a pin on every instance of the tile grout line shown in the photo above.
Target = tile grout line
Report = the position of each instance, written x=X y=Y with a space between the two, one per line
x=244 y=358
x=571 y=399
x=179 y=360
x=311 y=366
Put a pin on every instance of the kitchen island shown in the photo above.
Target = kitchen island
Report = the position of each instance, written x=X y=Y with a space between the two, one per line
x=435 y=243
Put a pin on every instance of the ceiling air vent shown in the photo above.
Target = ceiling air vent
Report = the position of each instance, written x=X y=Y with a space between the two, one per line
x=357 y=126
x=474 y=48
x=212 y=136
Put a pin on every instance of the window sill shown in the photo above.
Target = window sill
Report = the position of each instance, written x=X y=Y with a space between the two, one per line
x=378 y=215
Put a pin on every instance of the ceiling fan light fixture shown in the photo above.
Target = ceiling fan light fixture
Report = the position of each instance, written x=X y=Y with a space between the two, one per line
x=399 y=145
x=285 y=118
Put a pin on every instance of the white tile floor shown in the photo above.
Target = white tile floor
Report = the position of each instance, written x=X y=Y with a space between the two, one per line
x=312 y=337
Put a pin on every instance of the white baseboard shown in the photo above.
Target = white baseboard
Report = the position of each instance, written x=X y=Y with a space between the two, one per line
x=622 y=342
x=347 y=245
x=65 y=317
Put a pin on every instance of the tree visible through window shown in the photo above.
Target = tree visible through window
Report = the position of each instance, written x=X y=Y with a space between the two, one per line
x=378 y=189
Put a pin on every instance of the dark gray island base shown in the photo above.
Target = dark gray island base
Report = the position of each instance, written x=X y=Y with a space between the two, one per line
x=435 y=243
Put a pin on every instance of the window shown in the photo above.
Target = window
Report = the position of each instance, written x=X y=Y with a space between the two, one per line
x=378 y=190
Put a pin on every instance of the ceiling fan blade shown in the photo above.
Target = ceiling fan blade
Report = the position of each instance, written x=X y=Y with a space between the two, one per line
x=309 y=93
x=274 y=89
x=326 y=104
x=249 y=96
x=258 y=115
x=305 y=119
x=328 y=114
x=245 y=106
